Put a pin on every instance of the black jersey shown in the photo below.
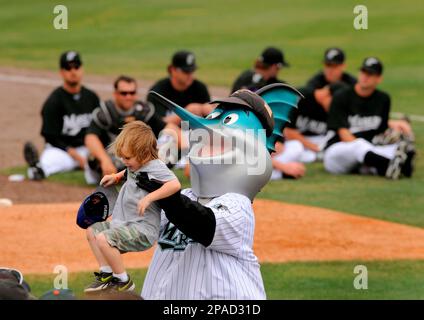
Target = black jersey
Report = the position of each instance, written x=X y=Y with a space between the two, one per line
x=196 y=93
x=364 y=117
x=318 y=80
x=310 y=118
x=253 y=81
x=108 y=119
x=66 y=117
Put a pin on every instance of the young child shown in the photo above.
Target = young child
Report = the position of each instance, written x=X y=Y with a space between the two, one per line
x=135 y=217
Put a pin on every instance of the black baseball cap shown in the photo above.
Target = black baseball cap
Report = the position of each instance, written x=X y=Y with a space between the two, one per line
x=69 y=58
x=184 y=60
x=372 y=65
x=272 y=56
x=334 y=56
x=250 y=100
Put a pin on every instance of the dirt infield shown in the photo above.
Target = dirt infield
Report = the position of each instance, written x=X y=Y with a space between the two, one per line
x=37 y=237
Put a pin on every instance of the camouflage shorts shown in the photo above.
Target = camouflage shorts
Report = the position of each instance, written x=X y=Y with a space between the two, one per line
x=126 y=238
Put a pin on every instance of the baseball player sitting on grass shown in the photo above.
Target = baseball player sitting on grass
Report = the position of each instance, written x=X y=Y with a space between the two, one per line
x=205 y=247
x=307 y=131
x=66 y=115
x=136 y=216
x=365 y=140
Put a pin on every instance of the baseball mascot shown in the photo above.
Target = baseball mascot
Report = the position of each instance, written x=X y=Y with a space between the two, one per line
x=205 y=247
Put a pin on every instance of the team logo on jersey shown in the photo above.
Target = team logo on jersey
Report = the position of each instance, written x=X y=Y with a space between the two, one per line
x=72 y=123
x=305 y=124
x=361 y=124
x=172 y=238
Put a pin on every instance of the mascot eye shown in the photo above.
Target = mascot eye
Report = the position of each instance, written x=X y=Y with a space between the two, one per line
x=231 y=118
x=213 y=115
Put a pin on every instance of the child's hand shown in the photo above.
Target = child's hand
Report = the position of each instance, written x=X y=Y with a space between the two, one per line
x=143 y=204
x=108 y=180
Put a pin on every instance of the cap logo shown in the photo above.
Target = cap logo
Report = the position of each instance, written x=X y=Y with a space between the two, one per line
x=190 y=59
x=332 y=54
x=71 y=55
x=371 y=61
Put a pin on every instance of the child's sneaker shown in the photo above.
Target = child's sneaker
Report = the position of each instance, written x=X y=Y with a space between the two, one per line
x=117 y=285
x=102 y=282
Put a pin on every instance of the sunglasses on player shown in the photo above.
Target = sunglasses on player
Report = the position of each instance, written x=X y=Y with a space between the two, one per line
x=126 y=93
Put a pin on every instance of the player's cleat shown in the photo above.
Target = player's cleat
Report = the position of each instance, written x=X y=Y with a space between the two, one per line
x=34 y=171
x=394 y=168
x=408 y=166
x=31 y=154
x=102 y=282
x=120 y=286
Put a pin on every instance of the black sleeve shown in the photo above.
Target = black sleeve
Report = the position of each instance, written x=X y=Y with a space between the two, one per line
x=203 y=95
x=156 y=123
x=190 y=217
x=52 y=117
x=52 y=122
x=337 y=115
x=386 y=114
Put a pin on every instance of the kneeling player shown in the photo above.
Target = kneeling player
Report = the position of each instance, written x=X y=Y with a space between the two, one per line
x=359 y=119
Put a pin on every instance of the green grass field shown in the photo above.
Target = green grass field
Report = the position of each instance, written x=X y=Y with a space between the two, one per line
x=139 y=37
x=312 y=280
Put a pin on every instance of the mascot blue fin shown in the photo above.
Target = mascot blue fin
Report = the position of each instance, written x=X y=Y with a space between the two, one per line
x=281 y=98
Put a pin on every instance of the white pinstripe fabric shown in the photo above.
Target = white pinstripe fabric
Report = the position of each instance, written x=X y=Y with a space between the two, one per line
x=227 y=269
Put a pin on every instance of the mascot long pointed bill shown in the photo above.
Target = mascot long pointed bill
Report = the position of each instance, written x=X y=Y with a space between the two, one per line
x=230 y=148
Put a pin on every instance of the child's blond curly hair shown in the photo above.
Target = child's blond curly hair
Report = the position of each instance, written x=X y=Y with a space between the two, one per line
x=136 y=140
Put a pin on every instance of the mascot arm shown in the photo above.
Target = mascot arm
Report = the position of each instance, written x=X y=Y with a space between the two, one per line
x=190 y=217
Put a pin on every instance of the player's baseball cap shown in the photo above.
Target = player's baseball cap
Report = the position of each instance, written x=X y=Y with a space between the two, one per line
x=272 y=56
x=372 y=65
x=96 y=207
x=184 y=60
x=334 y=56
x=70 y=58
x=252 y=101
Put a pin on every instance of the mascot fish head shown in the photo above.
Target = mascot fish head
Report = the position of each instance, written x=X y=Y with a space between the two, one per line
x=230 y=148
